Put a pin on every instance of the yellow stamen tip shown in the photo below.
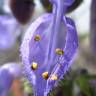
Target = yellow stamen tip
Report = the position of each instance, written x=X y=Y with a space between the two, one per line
x=34 y=65
x=45 y=75
x=59 y=51
x=54 y=77
x=37 y=38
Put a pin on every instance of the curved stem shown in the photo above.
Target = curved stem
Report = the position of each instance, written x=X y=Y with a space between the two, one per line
x=52 y=33
x=52 y=30
x=56 y=23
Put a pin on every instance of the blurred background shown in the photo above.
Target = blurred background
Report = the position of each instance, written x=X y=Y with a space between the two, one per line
x=81 y=78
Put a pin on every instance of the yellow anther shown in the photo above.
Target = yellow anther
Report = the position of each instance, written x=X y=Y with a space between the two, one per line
x=37 y=37
x=34 y=65
x=59 y=51
x=45 y=75
x=54 y=77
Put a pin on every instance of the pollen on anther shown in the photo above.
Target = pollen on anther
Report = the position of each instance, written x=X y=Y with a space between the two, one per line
x=37 y=37
x=59 y=51
x=54 y=77
x=34 y=65
x=45 y=75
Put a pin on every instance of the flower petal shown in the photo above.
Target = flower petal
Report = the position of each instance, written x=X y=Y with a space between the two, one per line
x=37 y=51
x=8 y=72
x=5 y=81
x=63 y=62
x=30 y=55
x=8 y=31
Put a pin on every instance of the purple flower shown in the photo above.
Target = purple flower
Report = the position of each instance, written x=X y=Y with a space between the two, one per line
x=8 y=72
x=9 y=31
x=48 y=48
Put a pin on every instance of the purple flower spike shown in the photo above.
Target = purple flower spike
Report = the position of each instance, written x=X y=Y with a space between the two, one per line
x=9 y=31
x=8 y=72
x=5 y=82
x=48 y=48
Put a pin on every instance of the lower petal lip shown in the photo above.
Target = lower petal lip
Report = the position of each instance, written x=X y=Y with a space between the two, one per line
x=70 y=48
x=8 y=73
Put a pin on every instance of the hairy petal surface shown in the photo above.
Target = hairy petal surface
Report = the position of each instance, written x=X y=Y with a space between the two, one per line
x=32 y=51
x=30 y=55
x=64 y=62
x=48 y=48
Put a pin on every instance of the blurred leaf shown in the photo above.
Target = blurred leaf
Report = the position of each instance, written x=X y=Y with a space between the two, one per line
x=27 y=86
x=64 y=88
x=83 y=84
x=82 y=37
